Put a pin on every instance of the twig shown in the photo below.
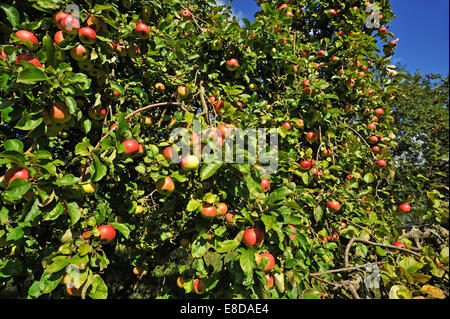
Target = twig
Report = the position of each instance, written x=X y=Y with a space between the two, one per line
x=204 y=105
x=346 y=269
x=361 y=139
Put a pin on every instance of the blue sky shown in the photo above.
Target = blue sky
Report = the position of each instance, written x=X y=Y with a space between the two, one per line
x=421 y=25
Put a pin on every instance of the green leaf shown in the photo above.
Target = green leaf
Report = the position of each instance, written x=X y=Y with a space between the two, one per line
x=74 y=212
x=318 y=213
x=277 y=195
x=198 y=248
x=122 y=228
x=31 y=74
x=47 y=43
x=100 y=169
x=17 y=188
x=410 y=264
x=66 y=180
x=209 y=169
x=193 y=205
x=269 y=221
x=247 y=260
x=59 y=263
x=399 y=292
x=99 y=288
x=11 y=14
x=226 y=246
x=311 y=293
x=368 y=178
x=14 y=145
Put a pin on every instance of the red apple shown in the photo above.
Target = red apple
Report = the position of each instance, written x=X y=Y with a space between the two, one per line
x=381 y=163
x=253 y=237
x=96 y=23
x=292 y=228
x=283 y=6
x=269 y=257
x=311 y=137
x=399 y=244
x=373 y=139
x=183 y=92
x=168 y=153
x=224 y=130
x=219 y=104
x=28 y=40
x=58 y=37
x=379 y=111
x=107 y=233
x=15 y=172
x=160 y=87
x=59 y=113
x=232 y=65
x=270 y=280
x=208 y=212
x=28 y=58
x=222 y=209
x=376 y=149
x=405 y=208
x=58 y=17
x=305 y=164
x=287 y=126
x=265 y=183
x=142 y=30
x=131 y=146
x=334 y=205
x=70 y=24
x=186 y=14
x=199 y=287
x=87 y=35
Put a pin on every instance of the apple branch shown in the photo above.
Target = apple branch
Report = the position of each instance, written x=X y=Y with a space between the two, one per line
x=353 y=130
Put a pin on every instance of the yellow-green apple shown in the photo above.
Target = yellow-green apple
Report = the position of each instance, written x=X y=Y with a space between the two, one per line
x=180 y=281
x=217 y=45
x=190 y=162
x=253 y=237
x=28 y=40
x=79 y=53
x=183 y=92
x=165 y=186
x=89 y=188
x=87 y=35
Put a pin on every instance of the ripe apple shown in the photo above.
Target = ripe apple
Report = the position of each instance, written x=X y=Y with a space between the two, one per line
x=379 y=111
x=372 y=126
x=270 y=280
x=59 y=113
x=287 y=126
x=311 y=137
x=28 y=40
x=107 y=233
x=208 y=212
x=70 y=24
x=373 y=139
x=87 y=35
x=186 y=14
x=199 y=287
x=79 y=53
x=168 y=153
x=131 y=146
x=183 y=92
x=334 y=205
x=219 y=104
x=224 y=130
x=283 y=6
x=232 y=65
x=253 y=237
x=271 y=260
x=321 y=52
x=15 y=172
x=229 y=218
x=190 y=162
x=28 y=58
x=58 y=17
x=160 y=87
x=58 y=37
x=399 y=244
x=405 y=208
x=300 y=123
x=305 y=164
x=222 y=209
x=165 y=186
x=335 y=236
x=142 y=30
x=381 y=163
x=332 y=11
x=265 y=183
x=376 y=148
x=96 y=23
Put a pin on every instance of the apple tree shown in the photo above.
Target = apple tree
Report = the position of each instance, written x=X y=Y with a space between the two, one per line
x=95 y=204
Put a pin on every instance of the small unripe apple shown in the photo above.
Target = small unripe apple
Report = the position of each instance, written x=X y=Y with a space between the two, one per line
x=217 y=45
x=59 y=113
x=160 y=87
x=79 y=53
x=97 y=24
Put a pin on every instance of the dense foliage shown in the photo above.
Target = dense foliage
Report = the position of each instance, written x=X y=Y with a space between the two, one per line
x=85 y=129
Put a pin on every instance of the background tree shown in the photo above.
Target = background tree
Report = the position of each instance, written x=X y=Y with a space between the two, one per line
x=91 y=198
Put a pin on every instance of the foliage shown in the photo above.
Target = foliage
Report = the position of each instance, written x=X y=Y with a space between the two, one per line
x=49 y=222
